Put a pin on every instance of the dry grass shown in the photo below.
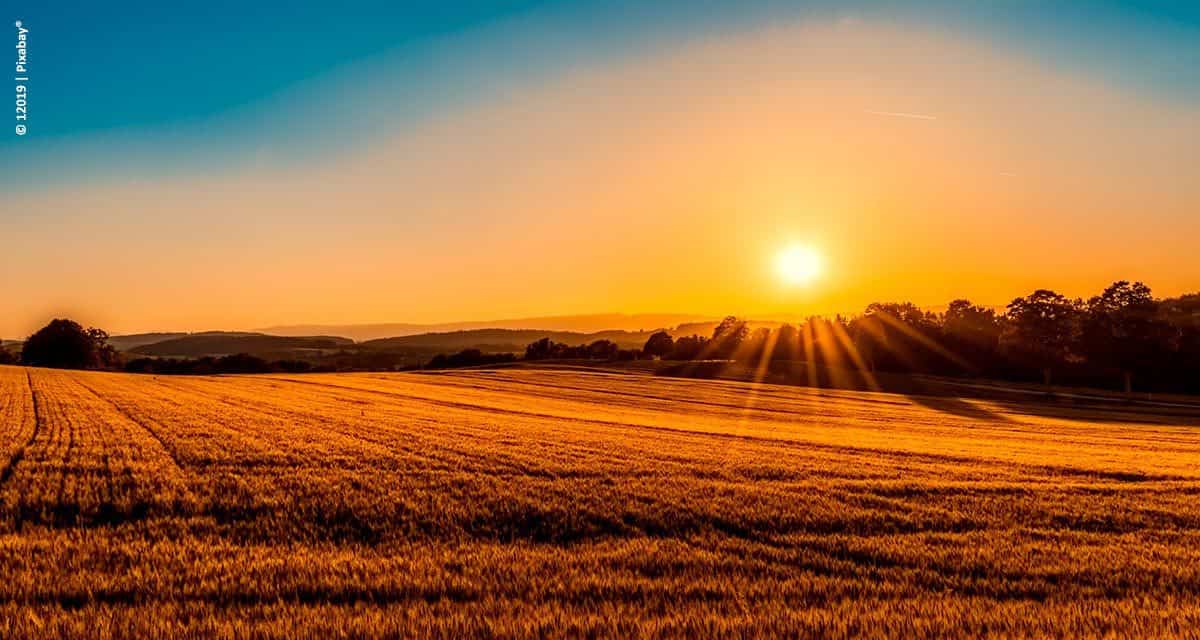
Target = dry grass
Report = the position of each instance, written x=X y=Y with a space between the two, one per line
x=526 y=503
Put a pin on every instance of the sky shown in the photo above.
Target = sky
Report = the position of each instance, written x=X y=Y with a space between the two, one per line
x=191 y=166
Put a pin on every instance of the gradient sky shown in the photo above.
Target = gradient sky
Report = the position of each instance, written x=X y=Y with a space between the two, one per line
x=215 y=166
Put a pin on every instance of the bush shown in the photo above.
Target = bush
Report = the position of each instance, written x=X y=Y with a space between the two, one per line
x=240 y=363
x=292 y=366
x=659 y=345
x=65 y=344
x=468 y=358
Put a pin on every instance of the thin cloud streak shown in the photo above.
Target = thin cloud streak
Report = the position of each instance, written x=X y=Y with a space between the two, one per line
x=900 y=114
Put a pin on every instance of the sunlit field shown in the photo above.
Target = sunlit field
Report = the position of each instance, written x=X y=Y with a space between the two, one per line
x=530 y=503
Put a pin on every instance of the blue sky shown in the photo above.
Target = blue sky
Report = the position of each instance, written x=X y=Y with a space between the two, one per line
x=144 y=89
x=237 y=165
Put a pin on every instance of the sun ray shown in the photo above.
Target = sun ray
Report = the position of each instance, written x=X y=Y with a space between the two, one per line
x=810 y=362
x=924 y=340
x=833 y=358
x=760 y=371
x=851 y=350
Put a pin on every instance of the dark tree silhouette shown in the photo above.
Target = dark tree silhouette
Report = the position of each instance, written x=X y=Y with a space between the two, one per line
x=896 y=336
x=659 y=345
x=543 y=349
x=728 y=336
x=787 y=344
x=1041 y=329
x=754 y=346
x=106 y=354
x=468 y=358
x=1121 y=330
x=689 y=347
x=819 y=340
x=972 y=332
x=906 y=312
x=546 y=349
x=242 y=363
x=64 y=344
x=602 y=350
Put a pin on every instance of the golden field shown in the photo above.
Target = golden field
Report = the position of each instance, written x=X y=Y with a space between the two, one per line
x=565 y=503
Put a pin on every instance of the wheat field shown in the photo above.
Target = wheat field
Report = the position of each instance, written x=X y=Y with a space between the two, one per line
x=519 y=503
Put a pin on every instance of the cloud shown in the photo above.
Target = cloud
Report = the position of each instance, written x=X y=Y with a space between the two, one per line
x=900 y=114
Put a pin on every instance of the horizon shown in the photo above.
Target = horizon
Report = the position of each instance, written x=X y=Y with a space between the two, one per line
x=569 y=323
x=538 y=158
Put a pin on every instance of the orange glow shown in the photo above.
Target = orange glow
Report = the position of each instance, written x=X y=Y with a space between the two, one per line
x=798 y=264
x=644 y=186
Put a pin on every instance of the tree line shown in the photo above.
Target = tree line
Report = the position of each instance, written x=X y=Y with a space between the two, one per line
x=547 y=349
x=1123 y=337
x=543 y=349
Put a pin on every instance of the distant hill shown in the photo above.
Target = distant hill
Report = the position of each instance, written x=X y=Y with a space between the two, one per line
x=417 y=339
x=576 y=324
x=133 y=340
x=500 y=340
x=421 y=341
x=220 y=343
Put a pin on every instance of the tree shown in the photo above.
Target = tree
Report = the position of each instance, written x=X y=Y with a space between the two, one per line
x=602 y=350
x=106 y=356
x=972 y=332
x=752 y=348
x=64 y=344
x=689 y=347
x=659 y=345
x=787 y=343
x=1041 y=329
x=905 y=312
x=819 y=340
x=468 y=358
x=543 y=349
x=728 y=336
x=1121 y=330
x=896 y=336
x=242 y=363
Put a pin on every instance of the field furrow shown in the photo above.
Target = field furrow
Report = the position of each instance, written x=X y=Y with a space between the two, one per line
x=87 y=463
x=532 y=503
x=18 y=419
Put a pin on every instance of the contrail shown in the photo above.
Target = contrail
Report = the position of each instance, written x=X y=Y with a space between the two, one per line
x=901 y=114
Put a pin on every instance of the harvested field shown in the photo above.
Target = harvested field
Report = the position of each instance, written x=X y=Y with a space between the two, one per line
x=532 y=503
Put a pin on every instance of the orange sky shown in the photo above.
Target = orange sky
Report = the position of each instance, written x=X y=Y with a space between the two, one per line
x=662 y=183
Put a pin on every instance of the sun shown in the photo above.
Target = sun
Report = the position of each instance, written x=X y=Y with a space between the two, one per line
x=798 y=264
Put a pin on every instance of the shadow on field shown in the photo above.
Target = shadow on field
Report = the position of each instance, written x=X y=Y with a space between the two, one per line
x=1108 y=412
x=950 y=396
x=958 y=406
